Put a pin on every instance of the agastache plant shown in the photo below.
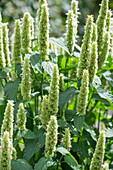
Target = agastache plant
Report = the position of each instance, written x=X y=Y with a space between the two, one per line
x=40 y=3
x=93 y=62
x=108 y=20
x=5 y=163
x=6 y=44
x=98 y=156
x=67 y=139
x=53 y=93
x=26 y=82
x=43 y=38
x=44 y=112
x=70 y=38
x=2 y=59
x=83 y=94
x=21 y=117
x=105 y=50
x=74 y=7
x=32 y=31
x=94 y=55
x=86 y=47
x=17 y=43
x=7 y=124
x=26 y=34
x=61 y=83
x=51 y=137
x=94 y=33
x=101 y=24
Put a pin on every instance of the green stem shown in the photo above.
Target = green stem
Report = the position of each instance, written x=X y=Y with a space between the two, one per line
x=60 y=160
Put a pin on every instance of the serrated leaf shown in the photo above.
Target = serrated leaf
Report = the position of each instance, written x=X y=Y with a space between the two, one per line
x=11 y=88
x=96 y=96
x=62 y=123
x=19 y=68
x=43 y=164
x=53 y=56
x=81 y=148
x=60 y=43
x=105 y=94
x=69 y=114
x=62 y=150
x=90 y=130
x=3 y=73
x=20 y=164
x=36 y=62
x=33 y=145
x=78 y=121
x=108 y=76
x=48 y=67
x=109 y=133
x=65 y=96
x=28 y=134
x=71 y=162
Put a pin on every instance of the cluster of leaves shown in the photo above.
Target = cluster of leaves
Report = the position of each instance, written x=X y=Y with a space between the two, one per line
x=29 y=142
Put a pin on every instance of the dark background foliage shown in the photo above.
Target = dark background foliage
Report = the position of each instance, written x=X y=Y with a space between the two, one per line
x=14 y=9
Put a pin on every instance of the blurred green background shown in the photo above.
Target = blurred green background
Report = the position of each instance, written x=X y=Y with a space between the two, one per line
x=14 y=9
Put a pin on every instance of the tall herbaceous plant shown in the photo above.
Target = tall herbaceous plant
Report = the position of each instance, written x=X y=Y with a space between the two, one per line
x=56 y=96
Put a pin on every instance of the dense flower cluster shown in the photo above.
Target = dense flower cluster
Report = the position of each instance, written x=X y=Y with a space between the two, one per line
x=26 y=82
x=83 y=95
x=86 y=47
x=51 y=137
x=21 y=117
x=98 y=156
x=17 y=43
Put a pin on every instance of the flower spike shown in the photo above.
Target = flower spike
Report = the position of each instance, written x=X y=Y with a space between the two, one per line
x=26 y=82
x=17 y=43
x=98 y=156
x=6 y=44
x=51 y=137
x=83 y=95
x=21 y=117
x=86 y=46
x=44 y=33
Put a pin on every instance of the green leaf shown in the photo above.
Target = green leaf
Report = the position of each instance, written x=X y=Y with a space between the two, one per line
x=2 y=101
x=3 y=73
x=71 y=162
x=20 y=164
x=60 y=43
x=19 y=68
x=109 y=133
x=69 y=114
x=36 y=61
x=43 y=164
x=105 y=94
x=34 y=145
x=53 y=56
x=62 y=150
x=78 y=121
x=11 y=88
x=48 y=67
x=65 y=96
x=77 y=47
x=108 y=76
x=96 y=96
x=35 y=94
x=81 y=148
x=90 y=130
x=62 y=123
x=28 y=134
